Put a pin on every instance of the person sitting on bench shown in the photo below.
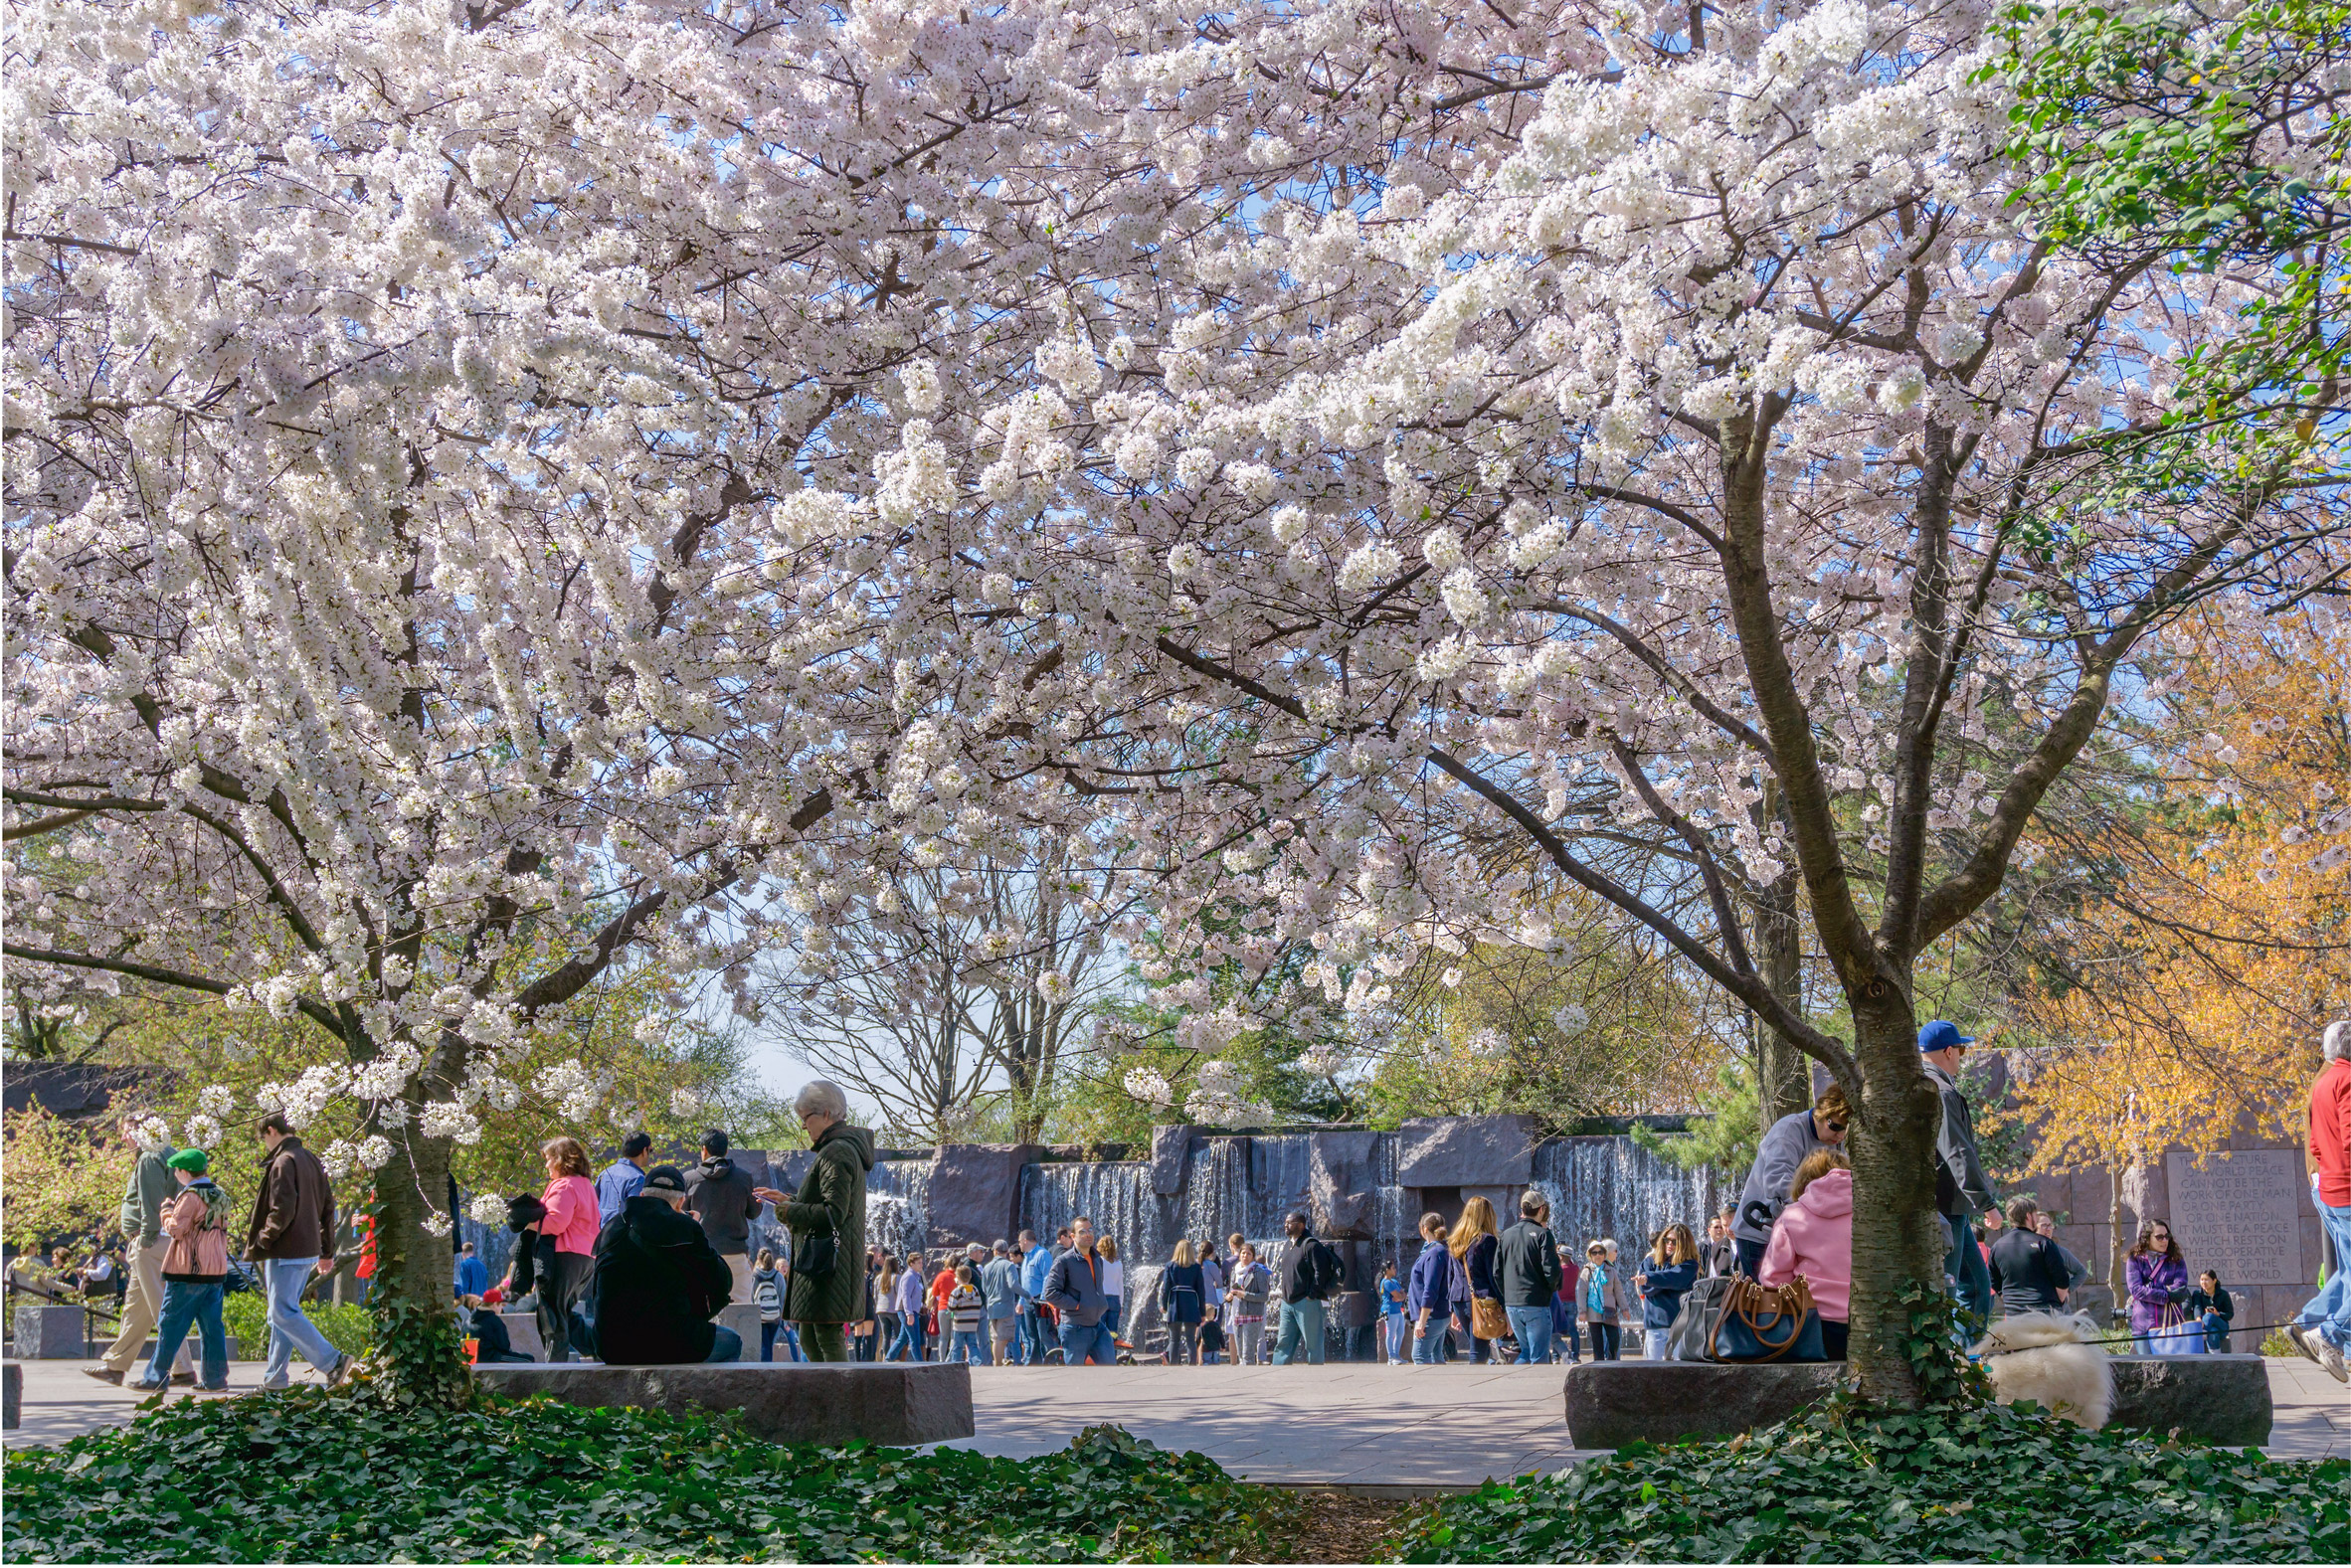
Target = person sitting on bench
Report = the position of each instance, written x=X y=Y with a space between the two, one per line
x=656 y=1281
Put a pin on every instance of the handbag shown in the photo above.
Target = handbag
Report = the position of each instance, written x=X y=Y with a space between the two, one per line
x=1487 y=1318
x=2175 y=1335
x=1701 y=1310
x=1766 y=1323
x=815 y=1255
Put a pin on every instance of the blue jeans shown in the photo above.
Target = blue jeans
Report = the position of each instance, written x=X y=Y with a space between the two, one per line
x=1301 y=1321
x=1571 y=1339
x=2329 y=1314
x=766 y=1340
x=1399 y=1329
x=725 y=1345
x=1531 y=1327
x=964 y=1346
x=1964 y=1262
x=1033 y=1334
x=184 y=1305
x=1429 y=1344
x=1109 y=1315
x=910 y=1338
x=1093 y=1340
x=2215 y=1335
x=289 y=1329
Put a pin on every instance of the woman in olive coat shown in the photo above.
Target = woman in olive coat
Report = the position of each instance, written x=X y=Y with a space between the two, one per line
x=831 y=1202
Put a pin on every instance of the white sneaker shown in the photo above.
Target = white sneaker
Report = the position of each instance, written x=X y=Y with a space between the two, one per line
x=2300 y=1341
x=2332 y=1359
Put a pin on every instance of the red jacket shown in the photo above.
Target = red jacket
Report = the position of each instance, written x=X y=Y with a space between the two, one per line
x=2330 y=1132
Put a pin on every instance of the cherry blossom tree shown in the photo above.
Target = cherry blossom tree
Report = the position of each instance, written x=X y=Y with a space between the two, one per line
x=1718 y=462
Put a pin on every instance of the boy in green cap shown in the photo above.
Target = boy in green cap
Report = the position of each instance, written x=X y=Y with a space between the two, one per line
x=195 y=1263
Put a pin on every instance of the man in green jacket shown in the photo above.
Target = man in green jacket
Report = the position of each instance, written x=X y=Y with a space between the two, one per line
x=151 y=1187
x=830 y=1203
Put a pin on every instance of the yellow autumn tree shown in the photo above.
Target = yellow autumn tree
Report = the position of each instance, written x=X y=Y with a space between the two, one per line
x=2220 y=943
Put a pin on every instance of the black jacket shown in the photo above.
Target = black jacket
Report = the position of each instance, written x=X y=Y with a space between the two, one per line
x=2027 y=1272
x=718 y=1193
x=1311 y=1271
x=1184 y=1292
x=655 y=1286
x=1527 y=1266
x=2218 y=1302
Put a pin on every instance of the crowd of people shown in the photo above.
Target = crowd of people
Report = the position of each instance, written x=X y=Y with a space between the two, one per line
x=632 y=1263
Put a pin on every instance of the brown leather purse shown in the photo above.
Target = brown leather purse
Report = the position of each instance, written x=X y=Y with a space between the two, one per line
x=1765 y=1323
x=1487 y=1318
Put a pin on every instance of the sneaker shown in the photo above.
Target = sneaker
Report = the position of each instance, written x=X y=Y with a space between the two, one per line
x=105 y=1374
x=278 y=1388
x=211 y=1388
x=341 y=1371
x=2301 y=1340
x=183 y=1378
x=146 y=1388
x=2332 y=1359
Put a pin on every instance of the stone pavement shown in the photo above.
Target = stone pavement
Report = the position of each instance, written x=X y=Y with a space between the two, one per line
x=1366 y=1428
x=1370 y=1429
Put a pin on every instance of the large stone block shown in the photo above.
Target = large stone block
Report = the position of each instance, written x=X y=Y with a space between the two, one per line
x=522 y=1332
x=50 y=1333
x=975 y=1192
x=1467 y=1151
x=892 y=1403
x=1170 y=1159
x=2222 y=1399
x=1342 y=1182
x=743 y=1318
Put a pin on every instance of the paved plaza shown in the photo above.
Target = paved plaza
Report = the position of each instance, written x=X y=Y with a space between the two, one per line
x=1372 y=1429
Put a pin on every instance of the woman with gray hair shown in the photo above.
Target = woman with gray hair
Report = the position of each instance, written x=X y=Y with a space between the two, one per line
x=827 y=1220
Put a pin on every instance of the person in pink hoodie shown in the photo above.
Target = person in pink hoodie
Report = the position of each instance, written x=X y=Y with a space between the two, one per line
x=1813 y=1237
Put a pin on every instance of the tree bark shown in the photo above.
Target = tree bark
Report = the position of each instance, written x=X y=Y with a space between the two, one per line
x=422 y=1358
x=1896 y=1240
x=1783 y=1080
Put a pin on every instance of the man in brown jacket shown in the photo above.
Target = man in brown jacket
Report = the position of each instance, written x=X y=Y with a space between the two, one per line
x=292 y=1231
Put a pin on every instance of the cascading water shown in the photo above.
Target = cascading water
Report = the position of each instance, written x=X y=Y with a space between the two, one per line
x=898 y=1205
x=1611 y=1188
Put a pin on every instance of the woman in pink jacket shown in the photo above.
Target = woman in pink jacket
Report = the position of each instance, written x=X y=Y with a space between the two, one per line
x=1813 y=1237
x=572 y=1224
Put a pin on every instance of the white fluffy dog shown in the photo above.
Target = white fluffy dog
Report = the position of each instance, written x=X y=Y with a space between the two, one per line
x=2055 y=1363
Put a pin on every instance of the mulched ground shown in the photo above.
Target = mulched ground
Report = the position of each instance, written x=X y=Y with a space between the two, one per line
x=1337 y=1528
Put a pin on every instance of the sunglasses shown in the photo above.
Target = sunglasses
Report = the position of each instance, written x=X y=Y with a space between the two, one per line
x=1836 y=1126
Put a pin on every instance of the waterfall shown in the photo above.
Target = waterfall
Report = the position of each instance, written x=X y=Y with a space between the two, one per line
x=898 y=1205
x=1611 y=1187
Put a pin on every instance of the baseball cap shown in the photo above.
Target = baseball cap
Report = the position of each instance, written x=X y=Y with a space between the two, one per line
x=1941 y=1035
x=664 y=1178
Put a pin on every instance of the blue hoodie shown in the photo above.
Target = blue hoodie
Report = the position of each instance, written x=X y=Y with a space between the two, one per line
x=1432 y=1275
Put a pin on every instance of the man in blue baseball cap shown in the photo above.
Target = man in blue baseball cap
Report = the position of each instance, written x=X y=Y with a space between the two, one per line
x=1961 y=1188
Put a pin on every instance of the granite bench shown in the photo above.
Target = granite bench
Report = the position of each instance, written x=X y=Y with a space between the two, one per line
x=2223 y=1399
x=894 y=1403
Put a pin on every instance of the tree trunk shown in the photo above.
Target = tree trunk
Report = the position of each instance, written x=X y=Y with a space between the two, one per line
x=420 y=1357
x=1898 y=1242
x=1783 y=1074
x=1783 y=1081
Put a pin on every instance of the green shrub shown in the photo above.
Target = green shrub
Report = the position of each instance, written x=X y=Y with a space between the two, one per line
x=347 y=1327
x=325 y=1475
x=1972 y=1483
x=2274 y=1342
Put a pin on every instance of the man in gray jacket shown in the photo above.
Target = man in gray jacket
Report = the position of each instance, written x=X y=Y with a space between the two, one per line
x=151 y=1185
x=1961 y=1188
x=1783 y=1148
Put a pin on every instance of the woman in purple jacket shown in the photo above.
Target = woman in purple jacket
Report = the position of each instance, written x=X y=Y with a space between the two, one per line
x=2157 y=1278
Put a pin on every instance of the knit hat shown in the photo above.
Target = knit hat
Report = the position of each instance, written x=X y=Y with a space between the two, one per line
x=192 y=1160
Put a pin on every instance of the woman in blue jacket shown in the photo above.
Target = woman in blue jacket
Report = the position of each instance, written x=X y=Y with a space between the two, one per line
x=1670 y=1273
x=1428 y=1300
x=1184 y=1299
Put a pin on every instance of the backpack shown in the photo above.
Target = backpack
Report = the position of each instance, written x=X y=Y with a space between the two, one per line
x=769 y=1299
